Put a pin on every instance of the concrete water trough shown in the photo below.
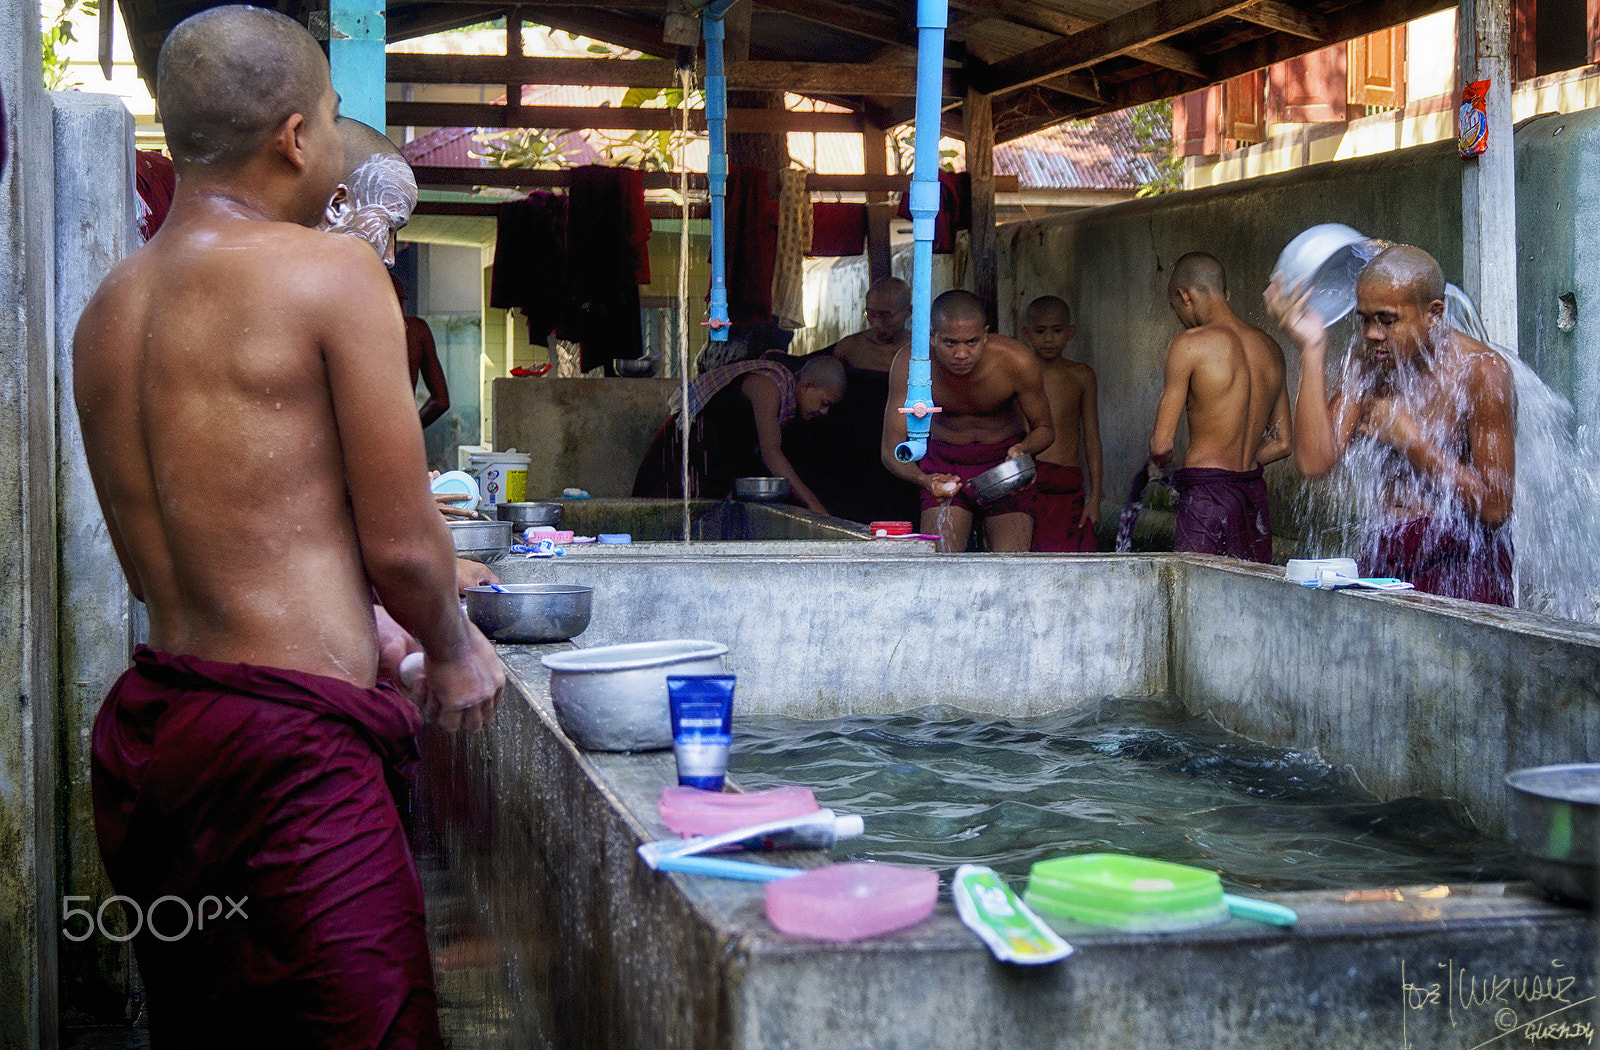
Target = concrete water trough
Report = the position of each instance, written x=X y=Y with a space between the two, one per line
x=561 y=937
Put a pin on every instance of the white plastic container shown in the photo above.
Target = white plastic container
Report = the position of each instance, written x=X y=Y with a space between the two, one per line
x=1309 y=570
x=502 y=476
x=614 y=697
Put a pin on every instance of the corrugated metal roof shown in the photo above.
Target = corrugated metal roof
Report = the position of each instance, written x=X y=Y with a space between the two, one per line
x=1100 y=153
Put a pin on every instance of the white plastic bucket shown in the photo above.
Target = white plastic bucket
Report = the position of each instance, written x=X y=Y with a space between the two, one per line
x=502 y=476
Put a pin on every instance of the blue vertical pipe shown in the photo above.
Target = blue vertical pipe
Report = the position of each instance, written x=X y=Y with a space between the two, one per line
x=356 y=59
x=717 y=165
x=932 y=17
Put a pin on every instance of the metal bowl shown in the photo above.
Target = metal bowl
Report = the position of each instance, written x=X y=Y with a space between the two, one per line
x=1004 y=478
x=522 y=515
x=760 y=488
x=634 y=367
x=1328 y=258
x=530 y=612
x=484 y=541
x=1553 y=820
x=614 y=697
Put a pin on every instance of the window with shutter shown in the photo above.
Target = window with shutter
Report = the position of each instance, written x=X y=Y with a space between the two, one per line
x=1197 y=123
x=1554 y=35
x=1310 y=89
x=1243 y=99
x=1377 y=69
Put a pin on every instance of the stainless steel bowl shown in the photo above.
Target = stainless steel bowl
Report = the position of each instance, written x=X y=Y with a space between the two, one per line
x=1328 y=258
x=522 y=515
x=530 y=612
x=634 y=367
x=484 y=541
x=1004 y=478
x=614 y=697
x=760 y=488
x=1553 y=819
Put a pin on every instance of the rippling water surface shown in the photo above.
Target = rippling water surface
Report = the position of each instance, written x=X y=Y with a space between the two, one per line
x=940 y=787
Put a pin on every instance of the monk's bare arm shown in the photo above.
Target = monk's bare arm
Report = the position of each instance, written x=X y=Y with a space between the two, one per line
x=762 y=393
x=1093 y=454
x=1033 y=403
x=894 y=429
x=431 y=373
x=405 y=545
x=1174 y=394
x=1276 y=446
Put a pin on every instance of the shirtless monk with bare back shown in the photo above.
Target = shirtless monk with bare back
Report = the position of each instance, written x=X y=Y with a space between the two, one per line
x=1228 y=376
x=1435 y=413
x=994 y=409
x=241 y=383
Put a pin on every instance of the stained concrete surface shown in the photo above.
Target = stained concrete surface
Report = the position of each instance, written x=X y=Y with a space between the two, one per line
x=582 y=433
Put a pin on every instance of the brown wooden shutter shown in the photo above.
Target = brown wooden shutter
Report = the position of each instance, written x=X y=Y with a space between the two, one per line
x=1525 y=37
x=1377 y=65
x=1593 y=10
x=1243 y=100
x=1197 y=123
x=1310 y=89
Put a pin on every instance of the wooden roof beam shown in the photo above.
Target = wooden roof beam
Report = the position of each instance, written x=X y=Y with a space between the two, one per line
x=610 y=118
x=534 y=178
x=847 y=18
x=1286 y=19
x=1137 y=29
x=805 y=78
x=1074 y=87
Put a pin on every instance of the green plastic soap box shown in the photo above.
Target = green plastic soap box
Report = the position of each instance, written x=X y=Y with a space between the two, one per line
x=1128 y=893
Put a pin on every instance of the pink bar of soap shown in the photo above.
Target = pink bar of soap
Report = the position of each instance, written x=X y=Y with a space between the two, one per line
x=852 y=901
x=692 y=811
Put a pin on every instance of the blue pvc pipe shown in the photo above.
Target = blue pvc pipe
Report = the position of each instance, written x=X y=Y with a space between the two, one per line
x=932 y=17
x=717 y=165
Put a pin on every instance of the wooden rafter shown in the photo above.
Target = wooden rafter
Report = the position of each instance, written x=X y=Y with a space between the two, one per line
x=526 y=178
x=610 y=118
x=1141 y=27
x=847 y=17
x=1286 y=19
x=806 y=78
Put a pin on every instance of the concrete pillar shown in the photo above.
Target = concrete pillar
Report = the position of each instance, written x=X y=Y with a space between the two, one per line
x=95 y=212
x=28 y=899
x=979 y=117
x=356 y=57
x=1488 y=182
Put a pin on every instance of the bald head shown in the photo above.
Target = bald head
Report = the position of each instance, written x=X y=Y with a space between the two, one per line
x=228 y=77
x=1048 y=308
x=958 y=304
x=1198 y=273
x=891 y=293
x=824 y=372
x=378 y=192
x=1409 y=270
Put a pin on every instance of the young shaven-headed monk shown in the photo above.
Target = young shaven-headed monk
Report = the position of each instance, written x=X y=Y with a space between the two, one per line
x=1228 y=376
x=994 y=406
x=1437 y=412
x=242 y=390
x=1064 y=516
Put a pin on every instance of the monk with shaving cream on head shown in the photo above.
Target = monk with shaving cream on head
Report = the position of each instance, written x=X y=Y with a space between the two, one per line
x=241 y=384
x=994 y=409
x=1228 y=377
x=1428 y=407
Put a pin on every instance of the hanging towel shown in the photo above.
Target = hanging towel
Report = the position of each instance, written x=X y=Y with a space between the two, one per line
x=530 y=268
x=751 y=246
x=608 y=237
x=955 y=210
x=794 y=236
x=838 y=229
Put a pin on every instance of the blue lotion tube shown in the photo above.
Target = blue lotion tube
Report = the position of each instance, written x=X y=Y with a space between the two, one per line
x=702 y=727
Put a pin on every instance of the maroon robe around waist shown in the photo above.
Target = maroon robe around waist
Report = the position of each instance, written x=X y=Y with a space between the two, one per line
x=268 y=788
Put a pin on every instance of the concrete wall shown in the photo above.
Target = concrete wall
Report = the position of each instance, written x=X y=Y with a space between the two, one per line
x=28 y=561
x=94 y=202
x=584 y=433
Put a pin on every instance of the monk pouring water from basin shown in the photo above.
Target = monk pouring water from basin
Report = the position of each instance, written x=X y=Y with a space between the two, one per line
x=1425 y=412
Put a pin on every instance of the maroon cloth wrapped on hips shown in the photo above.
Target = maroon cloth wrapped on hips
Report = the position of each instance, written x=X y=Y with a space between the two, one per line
x=268 y=788
x=967 y=462
x=1451 y=559
x=1057 y=509
x=1222 y=512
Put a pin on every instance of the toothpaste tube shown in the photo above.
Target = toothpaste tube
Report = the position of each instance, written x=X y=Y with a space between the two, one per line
x=1009 y=927
x=819 y=830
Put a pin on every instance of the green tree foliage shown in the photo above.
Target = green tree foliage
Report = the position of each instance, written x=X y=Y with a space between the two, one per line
x=58 y=31
x=1152 y=131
